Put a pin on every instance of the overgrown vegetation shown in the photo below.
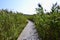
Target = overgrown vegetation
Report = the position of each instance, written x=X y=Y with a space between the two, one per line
x=11 y=24
x=47 y=24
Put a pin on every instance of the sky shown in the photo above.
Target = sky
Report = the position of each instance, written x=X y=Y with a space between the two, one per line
x=27 y=6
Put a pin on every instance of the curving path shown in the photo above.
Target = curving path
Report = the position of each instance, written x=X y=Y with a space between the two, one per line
x=29 y=32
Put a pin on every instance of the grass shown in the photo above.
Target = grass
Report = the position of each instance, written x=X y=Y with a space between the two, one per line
x=11 y=24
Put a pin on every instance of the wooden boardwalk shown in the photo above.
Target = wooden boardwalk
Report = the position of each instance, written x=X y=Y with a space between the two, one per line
x=29 y=32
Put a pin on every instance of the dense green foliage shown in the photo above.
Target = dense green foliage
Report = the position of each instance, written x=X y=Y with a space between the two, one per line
x=48 y=24
x=11 y=24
